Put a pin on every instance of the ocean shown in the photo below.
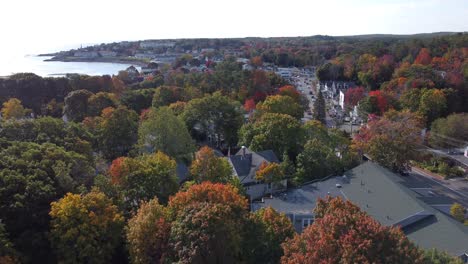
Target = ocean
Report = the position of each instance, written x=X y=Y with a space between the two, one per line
x=16 y=64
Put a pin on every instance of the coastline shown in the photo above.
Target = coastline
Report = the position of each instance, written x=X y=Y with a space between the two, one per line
x=120 y=60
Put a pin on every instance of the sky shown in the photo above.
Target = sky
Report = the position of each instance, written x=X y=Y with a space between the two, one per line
x=37 y=26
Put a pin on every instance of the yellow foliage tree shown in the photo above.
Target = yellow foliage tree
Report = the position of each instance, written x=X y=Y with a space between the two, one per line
x=85 y=228
x=12 y=109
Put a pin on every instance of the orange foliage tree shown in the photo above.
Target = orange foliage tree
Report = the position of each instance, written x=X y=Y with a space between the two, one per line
x=342 y=233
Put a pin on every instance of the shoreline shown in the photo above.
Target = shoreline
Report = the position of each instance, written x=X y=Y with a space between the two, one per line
x=120 y=60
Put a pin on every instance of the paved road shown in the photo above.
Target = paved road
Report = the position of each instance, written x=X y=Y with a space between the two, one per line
x=456 y=189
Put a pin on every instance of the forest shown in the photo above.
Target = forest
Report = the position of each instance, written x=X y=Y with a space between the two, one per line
x=90 y=165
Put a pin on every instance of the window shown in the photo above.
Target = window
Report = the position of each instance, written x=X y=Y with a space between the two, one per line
x=269 y=186
x=307 y=222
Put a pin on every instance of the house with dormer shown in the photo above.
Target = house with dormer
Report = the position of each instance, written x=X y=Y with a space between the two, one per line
x=246 y=163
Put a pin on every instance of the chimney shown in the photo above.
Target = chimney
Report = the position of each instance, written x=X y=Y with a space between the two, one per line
x=243 y=151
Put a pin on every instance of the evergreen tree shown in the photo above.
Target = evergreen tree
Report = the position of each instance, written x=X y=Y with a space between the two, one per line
x=319 y=108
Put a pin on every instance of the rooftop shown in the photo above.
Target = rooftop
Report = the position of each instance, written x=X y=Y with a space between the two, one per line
x=386 y=197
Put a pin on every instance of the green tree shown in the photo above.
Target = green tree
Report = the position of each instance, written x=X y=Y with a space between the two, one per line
x=145 y=177
x=148 y=234
x=7 y=252
x=71 y=136
x=76 y=105
x=118 y=132
x=316 y=161
x=85 y=228
x=31 y=177
x=266 y=230
x=208 y=167
x=458 y=212
x=214 y=116
x=206 y=233
x=434 y=256
x=163 y=131
x=449 y=131
x=166 y=95
x=279 y=132
x=281 y=105
x=137 y=100
x=319 y=108
x=433 y=104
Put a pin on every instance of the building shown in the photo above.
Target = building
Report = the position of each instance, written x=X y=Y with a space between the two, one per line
x=107 y=53
x=245 y=165
x=86 y=54
x=156 y=44
x=391 y=199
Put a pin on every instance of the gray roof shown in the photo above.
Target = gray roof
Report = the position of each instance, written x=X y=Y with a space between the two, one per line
x=241 y=164
x=384 y=196
x=245 y=164
x=182 y=172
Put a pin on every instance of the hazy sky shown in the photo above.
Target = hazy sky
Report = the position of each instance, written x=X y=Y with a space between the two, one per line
x=31 y=26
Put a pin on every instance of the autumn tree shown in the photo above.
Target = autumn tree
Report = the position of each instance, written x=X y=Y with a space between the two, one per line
x=342 y=233
x=76 y=105
x=424 y=57
x=148 y=234
x=281 y=105
x=214 y=193
x=458 y=212
x=145 y=177
x=163 y=131
x=100 y=101
x=320 y=108
x=207 y=233
x=391 y=140
x=256 y=61
x=13 y=109
x=166 y=95
x=208 y=167
x=249 y=105
x=279 y=132
x=178 y=107
x=353 y=96
x=269 y=172
x=85 y=228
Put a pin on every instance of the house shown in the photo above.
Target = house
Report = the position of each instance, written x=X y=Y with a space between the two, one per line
x=86 y=54
x=107 y=53
x=245 y=164
x=391 y=199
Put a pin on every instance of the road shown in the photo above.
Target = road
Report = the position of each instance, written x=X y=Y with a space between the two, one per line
x=454 y=190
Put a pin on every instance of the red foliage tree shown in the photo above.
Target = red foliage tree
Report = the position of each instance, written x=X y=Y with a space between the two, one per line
x=424 y=57
x=115 y=170
x=342 y=233
x=249 y=105
x=290 y=91
x=380 y=100
x=354 y=95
